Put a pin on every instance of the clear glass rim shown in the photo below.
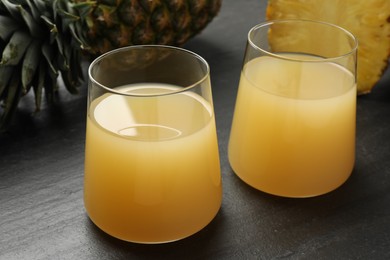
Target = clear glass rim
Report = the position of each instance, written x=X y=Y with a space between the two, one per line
x=153 y=46
x=323 y=59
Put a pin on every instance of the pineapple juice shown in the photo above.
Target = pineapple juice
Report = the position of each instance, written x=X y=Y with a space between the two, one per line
x=293 y=131
x=152 y=171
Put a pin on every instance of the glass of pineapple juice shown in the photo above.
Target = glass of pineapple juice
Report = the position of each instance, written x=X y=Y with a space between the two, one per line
x=293 y=129
x=152 y=170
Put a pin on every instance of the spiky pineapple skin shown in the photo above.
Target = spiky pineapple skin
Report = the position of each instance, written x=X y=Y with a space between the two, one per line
x=118 y=23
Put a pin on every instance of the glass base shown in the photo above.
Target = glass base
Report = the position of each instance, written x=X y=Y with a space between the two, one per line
x=150 y=241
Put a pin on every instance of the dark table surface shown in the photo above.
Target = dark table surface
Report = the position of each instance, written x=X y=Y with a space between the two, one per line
x=41 y=180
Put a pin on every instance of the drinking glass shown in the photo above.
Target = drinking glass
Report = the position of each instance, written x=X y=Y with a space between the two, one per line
x=293 y=130
x=152 y=170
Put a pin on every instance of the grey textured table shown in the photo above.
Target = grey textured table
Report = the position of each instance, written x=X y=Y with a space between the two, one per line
x=41 y=177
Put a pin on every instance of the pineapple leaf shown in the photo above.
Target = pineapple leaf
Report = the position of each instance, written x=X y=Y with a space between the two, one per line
x=79 y=34
x=77 y=72
x=15 y=49
x=76 y=37
x=47 y=53
x=54 y=8
x=68 y=82
x=39 y=86
x=52 y=26
x=11 y=101
x=30 y=22
x=69 y=18
x=7 y=27
x=41 y=7
x=35 y=10
x=12 y=9
x=50 y=84
x=62 y=57
x=66 y=16
x=67 y=53
x=84 y=8
x=30 y=64
x=18 y=2
x=5 y=75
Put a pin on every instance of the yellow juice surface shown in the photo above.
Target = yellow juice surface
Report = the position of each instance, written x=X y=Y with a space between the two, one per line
x=293 y=132
x=152 y=171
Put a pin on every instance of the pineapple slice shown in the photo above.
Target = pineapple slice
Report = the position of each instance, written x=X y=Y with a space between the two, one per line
x=369 y=21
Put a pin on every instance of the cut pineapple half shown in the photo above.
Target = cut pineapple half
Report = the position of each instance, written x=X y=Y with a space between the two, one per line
x=369 y=21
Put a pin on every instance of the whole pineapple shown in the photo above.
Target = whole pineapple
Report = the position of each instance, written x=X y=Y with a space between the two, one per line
x=42 y=39
x=368 y=20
